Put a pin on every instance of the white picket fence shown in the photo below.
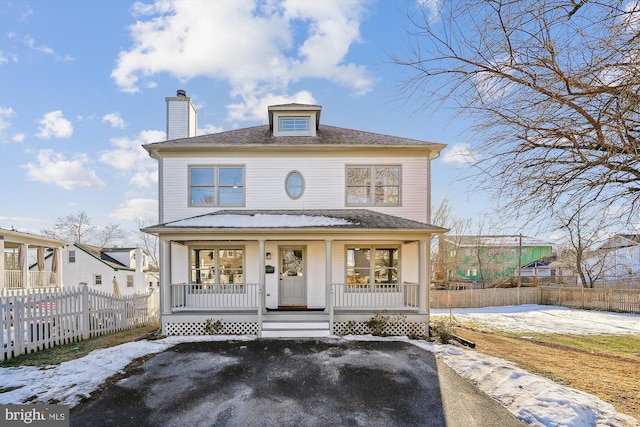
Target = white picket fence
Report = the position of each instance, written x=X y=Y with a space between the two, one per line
x=35 y=319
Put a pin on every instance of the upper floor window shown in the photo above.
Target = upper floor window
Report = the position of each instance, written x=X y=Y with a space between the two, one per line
x=294 y=185
x=293 y=124
x=72 y=257
x=373 y=185
x=129 y=280
x=97 y=279
x=216 y=186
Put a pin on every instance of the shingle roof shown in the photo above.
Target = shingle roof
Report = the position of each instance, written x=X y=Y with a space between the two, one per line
x=349 y=219
x=261 y=136
x=98 y=253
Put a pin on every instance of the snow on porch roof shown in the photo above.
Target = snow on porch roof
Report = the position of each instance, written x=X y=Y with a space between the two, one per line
x=344 y=218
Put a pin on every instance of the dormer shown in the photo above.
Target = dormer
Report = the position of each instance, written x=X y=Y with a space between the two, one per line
x=294 y=119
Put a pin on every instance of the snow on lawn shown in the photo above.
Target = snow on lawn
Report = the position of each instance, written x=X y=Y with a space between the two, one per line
x=535 y=400
x=547 y=319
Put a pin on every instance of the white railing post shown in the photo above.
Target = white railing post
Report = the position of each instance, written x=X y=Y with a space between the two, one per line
x=85 y=307
x=260 y=293
x=330 y=302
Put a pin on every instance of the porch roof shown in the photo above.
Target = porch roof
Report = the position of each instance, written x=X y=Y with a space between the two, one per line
x=295 y=220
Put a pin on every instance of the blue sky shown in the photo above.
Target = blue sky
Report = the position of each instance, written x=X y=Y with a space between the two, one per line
x=83 y=86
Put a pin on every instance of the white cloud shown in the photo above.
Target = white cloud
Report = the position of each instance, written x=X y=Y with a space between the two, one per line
x=254 y=104
x=6 y=114
x=432 y=8
x=461 y=154
x=209 y=129
x=31 y=43
x=54 y=168
x=129 y=156
x=114 y=120
x=54 y=125
x=249 y=44
x=137 y=208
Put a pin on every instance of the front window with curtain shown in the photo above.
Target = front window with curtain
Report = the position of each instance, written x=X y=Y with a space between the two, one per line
x=373 y=185
x=218 y=265
x=216 y=186
x=372 y=267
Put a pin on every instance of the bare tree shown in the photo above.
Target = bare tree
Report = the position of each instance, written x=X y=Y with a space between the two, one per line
x=149 y=242
x=78 y=228
x=109 y=234
x=444 y=252
x=585 y=230
x=74 y=228
x=552 y=88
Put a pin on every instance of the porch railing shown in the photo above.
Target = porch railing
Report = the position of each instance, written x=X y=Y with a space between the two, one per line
x=397 y=296
x=191 y=296
x=13 y=279
x=37 y=280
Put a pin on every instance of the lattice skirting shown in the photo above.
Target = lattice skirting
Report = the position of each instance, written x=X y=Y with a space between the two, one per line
x=392 y=329
x=231 y=328
x=339 y=328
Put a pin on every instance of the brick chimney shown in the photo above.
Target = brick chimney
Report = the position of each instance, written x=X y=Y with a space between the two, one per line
x=182 y=116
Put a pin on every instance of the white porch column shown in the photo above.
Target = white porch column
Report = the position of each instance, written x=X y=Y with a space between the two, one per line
x=423 y=283
x=165 y=277
x=1 y=263
x=261 y=275
x=328 y=273
x=24 y=268
x=59 y=276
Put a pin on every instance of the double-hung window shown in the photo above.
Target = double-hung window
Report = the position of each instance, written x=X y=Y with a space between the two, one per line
x=218 y=265
x=372 y=267
x=216 y=186
x=371 y=185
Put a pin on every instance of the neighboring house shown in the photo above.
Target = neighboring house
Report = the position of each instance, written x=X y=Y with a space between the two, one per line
x=22 y=250
x=290 y=225
x=98 y=267
x=490 y=259
x=616 y=260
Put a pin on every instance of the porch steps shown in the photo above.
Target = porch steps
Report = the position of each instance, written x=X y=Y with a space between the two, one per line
x=295 y=329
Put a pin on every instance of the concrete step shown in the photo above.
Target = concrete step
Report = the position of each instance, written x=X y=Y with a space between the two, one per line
x=295 y=329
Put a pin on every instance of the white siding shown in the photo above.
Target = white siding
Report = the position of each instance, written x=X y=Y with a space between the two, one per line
x=409 y=263
x=324 y=177
x=87 y=267
x=316 y=290
x=180 y=264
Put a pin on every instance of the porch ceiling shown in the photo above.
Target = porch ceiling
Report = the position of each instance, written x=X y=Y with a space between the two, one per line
x=295 y=221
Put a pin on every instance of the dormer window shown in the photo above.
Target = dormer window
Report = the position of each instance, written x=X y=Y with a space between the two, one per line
x=293 y=124
x=294 y=119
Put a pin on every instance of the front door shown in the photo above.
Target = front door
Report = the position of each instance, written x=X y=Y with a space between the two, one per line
x=293 y=285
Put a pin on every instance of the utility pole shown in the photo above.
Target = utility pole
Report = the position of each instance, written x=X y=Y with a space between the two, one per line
x=520 y=262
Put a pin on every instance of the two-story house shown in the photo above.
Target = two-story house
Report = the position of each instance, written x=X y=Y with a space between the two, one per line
x=290 y=228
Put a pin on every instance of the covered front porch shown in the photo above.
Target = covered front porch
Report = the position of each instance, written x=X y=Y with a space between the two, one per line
x=327 y=277
x=29 y=261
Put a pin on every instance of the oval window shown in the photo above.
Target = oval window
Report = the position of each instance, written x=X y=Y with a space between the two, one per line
x=294 y=185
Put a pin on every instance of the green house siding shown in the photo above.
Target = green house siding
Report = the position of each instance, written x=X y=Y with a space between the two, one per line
x=495 y=262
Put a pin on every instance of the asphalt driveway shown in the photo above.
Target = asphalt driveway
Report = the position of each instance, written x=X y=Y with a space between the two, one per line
x=291 y=383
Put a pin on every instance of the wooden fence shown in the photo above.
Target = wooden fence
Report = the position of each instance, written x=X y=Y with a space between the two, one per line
x=576 y=297
x=35 y=319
